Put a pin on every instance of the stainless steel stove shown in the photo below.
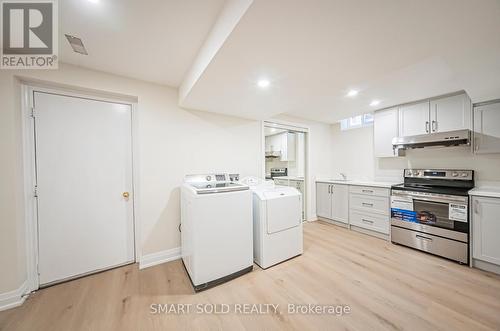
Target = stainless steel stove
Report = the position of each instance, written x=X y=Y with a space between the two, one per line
x=430 y=212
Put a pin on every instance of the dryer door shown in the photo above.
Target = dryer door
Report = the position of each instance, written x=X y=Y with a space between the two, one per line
x=283 y=211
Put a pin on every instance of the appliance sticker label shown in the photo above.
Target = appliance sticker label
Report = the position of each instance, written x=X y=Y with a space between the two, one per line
x=402 y=209
x=401 y=203
x=457 y=212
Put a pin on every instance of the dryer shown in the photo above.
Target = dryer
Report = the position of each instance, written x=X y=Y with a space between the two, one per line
x=277 y=224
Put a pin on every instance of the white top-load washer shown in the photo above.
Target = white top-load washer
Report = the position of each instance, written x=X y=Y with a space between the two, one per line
x=216 y=229
x=277 y=223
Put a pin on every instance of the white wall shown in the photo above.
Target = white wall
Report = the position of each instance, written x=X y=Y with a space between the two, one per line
x=353 y=154
x=172 y=142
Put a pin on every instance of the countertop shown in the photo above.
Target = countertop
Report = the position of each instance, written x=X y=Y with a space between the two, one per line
x=289 y=178
x=359 y=182
x=492 y=192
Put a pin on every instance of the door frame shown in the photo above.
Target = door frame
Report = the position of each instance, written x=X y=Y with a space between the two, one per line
x=298 y=127
x=29 y=167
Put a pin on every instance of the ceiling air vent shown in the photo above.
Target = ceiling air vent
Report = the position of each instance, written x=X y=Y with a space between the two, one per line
x=77 y=44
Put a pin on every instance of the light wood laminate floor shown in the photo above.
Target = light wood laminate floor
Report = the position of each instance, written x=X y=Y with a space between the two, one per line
x=387 y=287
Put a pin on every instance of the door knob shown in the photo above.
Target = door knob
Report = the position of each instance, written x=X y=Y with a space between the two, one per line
x=126 y=195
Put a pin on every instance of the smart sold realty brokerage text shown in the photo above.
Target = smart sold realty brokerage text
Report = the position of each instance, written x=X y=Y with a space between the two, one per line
x=247 y=309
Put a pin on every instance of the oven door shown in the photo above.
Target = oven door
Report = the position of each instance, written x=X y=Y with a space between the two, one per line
x=431 y=210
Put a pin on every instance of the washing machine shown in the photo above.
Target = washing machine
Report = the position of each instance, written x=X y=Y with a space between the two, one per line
x=216 y=229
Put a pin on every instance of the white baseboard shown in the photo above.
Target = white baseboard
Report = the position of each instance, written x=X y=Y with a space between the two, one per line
x=14 y=298
x=486 y=266
x=160 y=257
x=313 y=218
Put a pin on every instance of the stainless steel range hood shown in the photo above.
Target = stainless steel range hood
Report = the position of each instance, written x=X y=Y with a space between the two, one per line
x=449 y=138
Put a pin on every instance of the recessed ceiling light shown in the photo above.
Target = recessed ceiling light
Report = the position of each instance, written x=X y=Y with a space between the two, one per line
x=352 y=93
x=263 y=83
x=375 y=103
x=94 y=1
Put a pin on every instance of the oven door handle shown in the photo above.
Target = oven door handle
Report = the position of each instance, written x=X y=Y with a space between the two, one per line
x=423 y=238
x=433 y=199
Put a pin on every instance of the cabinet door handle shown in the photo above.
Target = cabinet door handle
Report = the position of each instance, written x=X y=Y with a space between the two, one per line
x=367 y=221
x=329 y=189
x=367 y=191
x=434 y=126
x=367 y=204
x=423 y=238
x=427 y=126
x=476 y=207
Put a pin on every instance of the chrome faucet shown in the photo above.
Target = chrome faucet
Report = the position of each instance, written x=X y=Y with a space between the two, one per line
x=344 y=177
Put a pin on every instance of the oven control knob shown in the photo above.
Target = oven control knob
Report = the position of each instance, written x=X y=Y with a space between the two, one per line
x=410 y=173
x=418 y=173
x=464 y=174
x=455 y=174
x=208 y=178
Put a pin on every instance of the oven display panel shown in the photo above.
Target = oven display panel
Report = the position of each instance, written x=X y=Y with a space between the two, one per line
x=435 y=173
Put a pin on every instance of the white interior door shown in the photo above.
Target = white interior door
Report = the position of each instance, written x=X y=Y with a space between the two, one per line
x=84 y=166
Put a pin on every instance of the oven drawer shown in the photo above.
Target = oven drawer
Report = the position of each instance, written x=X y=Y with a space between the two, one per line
x=371 y=204
x=451 y=249
x=368 y=190
x=374 y=222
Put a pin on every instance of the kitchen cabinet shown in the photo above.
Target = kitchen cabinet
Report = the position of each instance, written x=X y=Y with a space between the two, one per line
x=285 y=143
x=323 y=200
x=273 y=143
x=340 y=203
x=450 y=113
x=369 y=208
x=485 y=229
x=332 y=201
x=442 y=114
x=288 y=143
x=299 y=185
x=385 y=128
x=414 y=119
x=487 y=128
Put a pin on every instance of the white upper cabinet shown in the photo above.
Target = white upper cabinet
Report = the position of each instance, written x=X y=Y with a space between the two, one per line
x=451 y=113
x=414 y=119
x=288 y=146
x=285 y=143
x=487 y=128
x=273 y=143
x=385 y=128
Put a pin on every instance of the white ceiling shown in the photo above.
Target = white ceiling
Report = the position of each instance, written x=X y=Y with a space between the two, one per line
x=314 y=51
x=154 y=40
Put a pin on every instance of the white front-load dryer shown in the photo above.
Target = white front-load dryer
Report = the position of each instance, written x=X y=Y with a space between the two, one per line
x=277 y=224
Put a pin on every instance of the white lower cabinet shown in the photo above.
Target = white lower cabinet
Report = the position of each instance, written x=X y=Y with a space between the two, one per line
x=369 y=208
x=340 y=203
x=373 y=222
x=332 y=201
x=362 y=207
x=299 y=185
x=486 y=229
